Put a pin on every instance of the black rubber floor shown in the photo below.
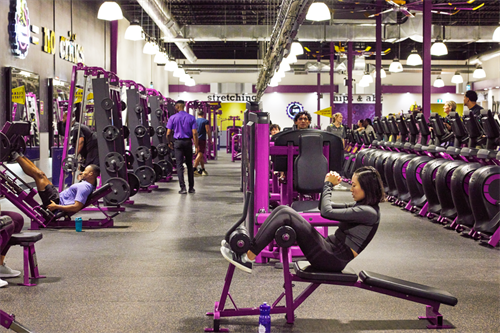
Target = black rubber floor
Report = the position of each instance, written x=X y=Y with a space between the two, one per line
x=160 y=270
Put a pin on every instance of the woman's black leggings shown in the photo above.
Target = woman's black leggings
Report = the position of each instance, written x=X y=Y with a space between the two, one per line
x=14 y=228
x=320 y=252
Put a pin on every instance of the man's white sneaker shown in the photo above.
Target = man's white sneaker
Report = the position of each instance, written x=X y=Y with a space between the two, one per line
x=7 y=272
x=3 y=283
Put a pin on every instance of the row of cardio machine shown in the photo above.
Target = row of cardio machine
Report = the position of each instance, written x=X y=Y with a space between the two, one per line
x=451 y=176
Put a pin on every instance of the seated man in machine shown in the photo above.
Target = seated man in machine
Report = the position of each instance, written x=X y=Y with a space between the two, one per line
x=358 y=224
x=70 y=200
x=302 y=120
x=5 y=234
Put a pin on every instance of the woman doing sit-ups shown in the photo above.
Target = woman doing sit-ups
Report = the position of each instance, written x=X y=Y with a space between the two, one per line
x=358 y=224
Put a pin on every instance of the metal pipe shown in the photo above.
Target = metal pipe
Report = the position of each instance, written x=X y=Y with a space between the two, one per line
x=426 y=65
x=332 y=73
x=349 y=83
x=378 y=64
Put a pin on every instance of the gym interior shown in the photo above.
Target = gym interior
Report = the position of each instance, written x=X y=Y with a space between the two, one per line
x=139 y=256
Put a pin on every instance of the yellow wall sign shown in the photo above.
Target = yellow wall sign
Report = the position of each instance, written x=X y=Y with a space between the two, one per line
x=19 y=95
x=78 y=95
x=327 y=112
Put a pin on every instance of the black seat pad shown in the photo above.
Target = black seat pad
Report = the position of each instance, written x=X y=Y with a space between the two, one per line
x=407 y=287
x=303 y=206
x=25 y=237
x=304 y=270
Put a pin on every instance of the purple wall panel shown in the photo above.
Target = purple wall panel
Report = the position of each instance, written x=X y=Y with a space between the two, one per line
x=359 y=111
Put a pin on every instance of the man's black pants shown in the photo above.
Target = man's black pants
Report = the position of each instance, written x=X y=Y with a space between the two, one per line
x=183 y=149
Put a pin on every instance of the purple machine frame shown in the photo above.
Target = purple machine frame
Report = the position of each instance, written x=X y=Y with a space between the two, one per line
x=9 y=322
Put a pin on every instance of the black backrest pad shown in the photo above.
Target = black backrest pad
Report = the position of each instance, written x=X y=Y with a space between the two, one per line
x=336 y=150
x=311 y=166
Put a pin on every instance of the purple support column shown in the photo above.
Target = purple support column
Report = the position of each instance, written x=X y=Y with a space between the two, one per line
x=426 y=59
x=332 y=72
x=113 y=45
x=378 y=63
x=319 y=91
x=349 y=83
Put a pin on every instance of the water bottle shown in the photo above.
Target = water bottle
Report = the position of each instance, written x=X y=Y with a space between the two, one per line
x=78 y=224
x=265 y=318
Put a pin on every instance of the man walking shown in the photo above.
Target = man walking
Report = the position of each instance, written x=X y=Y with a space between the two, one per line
x=182 y=126
x=203 y=131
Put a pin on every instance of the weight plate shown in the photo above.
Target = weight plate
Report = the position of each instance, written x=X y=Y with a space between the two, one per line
x=154 y=152
x=123 y=105
x=114 y=162
x=18 y=145
x=166 y=167
x=130 y=159
x=110 y=133
x=4 y=147
x=133 y=182
x=151 y=131
x=146 y=175
x=69 y=164
x=140 y=131
x=120 y=191
x=160 y=131
x=158 y=170
x=149 y=110
x=138 y=108
x=107 y=104
x=159 y=113
x=126 y=132
x=162 y=149
x=142 y=154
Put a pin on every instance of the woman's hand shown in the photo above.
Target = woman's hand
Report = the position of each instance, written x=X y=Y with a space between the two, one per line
x=333 y=178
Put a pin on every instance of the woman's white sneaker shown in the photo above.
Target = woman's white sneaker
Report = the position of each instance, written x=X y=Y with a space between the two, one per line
x=7 y=272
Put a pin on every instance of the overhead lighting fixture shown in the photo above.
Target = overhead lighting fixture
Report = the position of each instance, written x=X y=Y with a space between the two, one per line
x=496 y=35
x=296 y=49
x=395 y=66
x=171 y=66
x=284 y=66
x=363 y=83
x=439 y=83
x=160 y=58
x=367 y=78
x=439 y=48
x=273 y=83
x=457 y=78
x=190 y=82
x=341 y=67
x=382 y=73
x=150 y=48
x=479 y=73
x=110 y=11
x=291 y=59
x=414 y=58
x=134 y=32
x=178 y=72
x=318 y=11
x=184 y=78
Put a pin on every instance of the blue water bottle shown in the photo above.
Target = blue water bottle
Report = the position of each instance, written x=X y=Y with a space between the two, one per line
x=265 y=318
x=78 y=224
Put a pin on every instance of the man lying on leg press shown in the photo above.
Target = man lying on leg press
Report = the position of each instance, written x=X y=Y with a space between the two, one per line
x=72 y=199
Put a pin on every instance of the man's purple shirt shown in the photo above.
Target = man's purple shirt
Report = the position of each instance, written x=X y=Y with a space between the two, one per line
x=183 y=124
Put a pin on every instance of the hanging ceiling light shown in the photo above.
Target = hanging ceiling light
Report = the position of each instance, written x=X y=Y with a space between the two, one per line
x=190 y=82
x=363 y=83
x=496 y=35
x=439 y=48
x=110 y=11
x=318 y=11
x=439 y=83
x=171 y=66
x=367 y=77
x=161 y=58
x=414 y=58
x=273 y=83
x=184 y=78
x=150 y=48
x=457 y=78
x=395 y=66
x=479 y=73
x=291 y=59
x=296 y=49
x=178 y=72
x=382 y=73
x=134 y=31
x=284 y=66
x=341 y=67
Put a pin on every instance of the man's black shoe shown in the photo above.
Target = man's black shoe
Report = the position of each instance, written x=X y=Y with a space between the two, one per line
x=191 y=190
x=183 y=191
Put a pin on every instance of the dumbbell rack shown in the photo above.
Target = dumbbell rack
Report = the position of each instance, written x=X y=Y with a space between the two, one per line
x=140 y=134
x=159 y=119
x=109 y=129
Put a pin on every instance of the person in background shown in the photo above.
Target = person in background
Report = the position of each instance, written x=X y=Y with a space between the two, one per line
x=449 y=106
x=302 y=120
x=470 y=99
x=274 y=128
x=182 y=127
x=85 y=142
x=336 y=127
x=367 y=123
x=361 y=126
x=203 y=131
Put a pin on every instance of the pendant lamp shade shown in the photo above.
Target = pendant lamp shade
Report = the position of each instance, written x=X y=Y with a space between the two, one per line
x=439 y=83
x=171 y=66
x=414 y=58
x=439 y=48
x=291 y=59
x=110 y=11
x=160 y=58
x=382 y=73
x=190 y=82
x=284 y=66
x=363 y=83
x=150 y=48
x=496 y=35
x=479 y=73
x=296 y=49
x=178 y=72
x=367 y=78
x=273 y=83
x=318 y=11
x=457 y=78
x=134 y=32
x=395 y=66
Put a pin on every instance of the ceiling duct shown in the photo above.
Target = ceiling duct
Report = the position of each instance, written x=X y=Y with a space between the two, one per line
x=231 y=88
x=164 y=20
